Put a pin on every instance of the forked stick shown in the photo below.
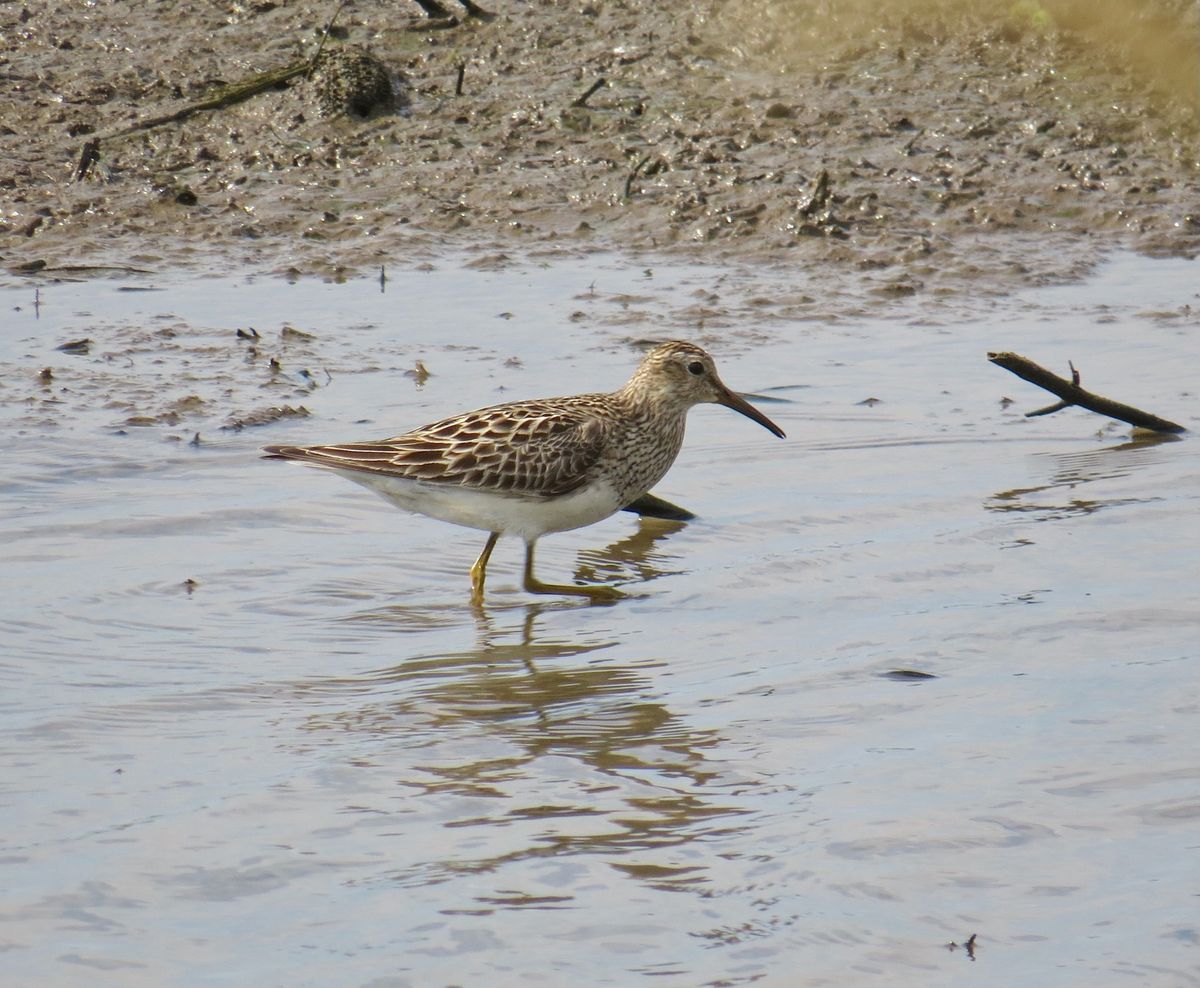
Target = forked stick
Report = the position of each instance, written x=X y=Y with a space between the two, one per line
x=1072 y=394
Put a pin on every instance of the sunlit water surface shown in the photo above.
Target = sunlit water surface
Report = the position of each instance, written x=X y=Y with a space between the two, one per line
x=316 y=764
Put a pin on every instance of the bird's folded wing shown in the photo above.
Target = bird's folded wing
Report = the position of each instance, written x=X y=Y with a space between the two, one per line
x=537 y=449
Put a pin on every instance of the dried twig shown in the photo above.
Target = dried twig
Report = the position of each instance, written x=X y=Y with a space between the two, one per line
x=87 y=157
x=818 y=199
x=591 y=90
x=1072 y=394
x=637 y=170
x=226 y=96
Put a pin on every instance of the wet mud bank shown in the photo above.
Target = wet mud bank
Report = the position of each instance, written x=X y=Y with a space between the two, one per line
x=904 y=142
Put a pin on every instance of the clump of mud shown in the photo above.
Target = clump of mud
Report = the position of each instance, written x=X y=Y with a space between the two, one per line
x=905 y=138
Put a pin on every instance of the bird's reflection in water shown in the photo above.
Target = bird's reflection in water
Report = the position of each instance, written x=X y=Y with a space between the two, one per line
x=1076 y=469
x=633 y=559
x=569 y=732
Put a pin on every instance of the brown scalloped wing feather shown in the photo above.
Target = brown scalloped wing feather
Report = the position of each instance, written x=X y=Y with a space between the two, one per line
x=535 y=448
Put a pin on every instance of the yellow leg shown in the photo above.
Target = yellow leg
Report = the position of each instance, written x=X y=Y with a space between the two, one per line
x=534 y=585
x=479 y=570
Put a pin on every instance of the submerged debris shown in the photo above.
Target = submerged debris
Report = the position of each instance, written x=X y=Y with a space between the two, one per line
x=265 y=416
x=969 y=946
x=419 y=373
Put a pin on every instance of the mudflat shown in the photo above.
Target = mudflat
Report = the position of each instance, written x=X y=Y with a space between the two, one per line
x=899 y=137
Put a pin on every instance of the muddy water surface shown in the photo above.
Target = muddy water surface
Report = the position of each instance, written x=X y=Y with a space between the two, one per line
x=923 y=670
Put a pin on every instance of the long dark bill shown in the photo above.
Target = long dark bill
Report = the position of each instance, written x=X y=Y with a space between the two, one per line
x=740 y=404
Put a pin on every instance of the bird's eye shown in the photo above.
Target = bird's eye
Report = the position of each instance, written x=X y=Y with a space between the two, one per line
x=695 y=367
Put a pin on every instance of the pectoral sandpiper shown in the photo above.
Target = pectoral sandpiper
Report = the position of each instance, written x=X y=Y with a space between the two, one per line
x=531 y=467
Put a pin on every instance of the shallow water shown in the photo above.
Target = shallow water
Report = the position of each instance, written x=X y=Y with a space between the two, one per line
x=316 y=764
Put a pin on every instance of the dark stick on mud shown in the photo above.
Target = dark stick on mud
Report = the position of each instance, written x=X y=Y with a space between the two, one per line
x=637 y=169
x=88 y=156
x=819 y=198
x=591 y=90
x=1072 y=394
x=230 y=95
x=458 y=83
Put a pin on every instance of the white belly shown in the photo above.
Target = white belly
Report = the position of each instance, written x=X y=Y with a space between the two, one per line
x=490 y=511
